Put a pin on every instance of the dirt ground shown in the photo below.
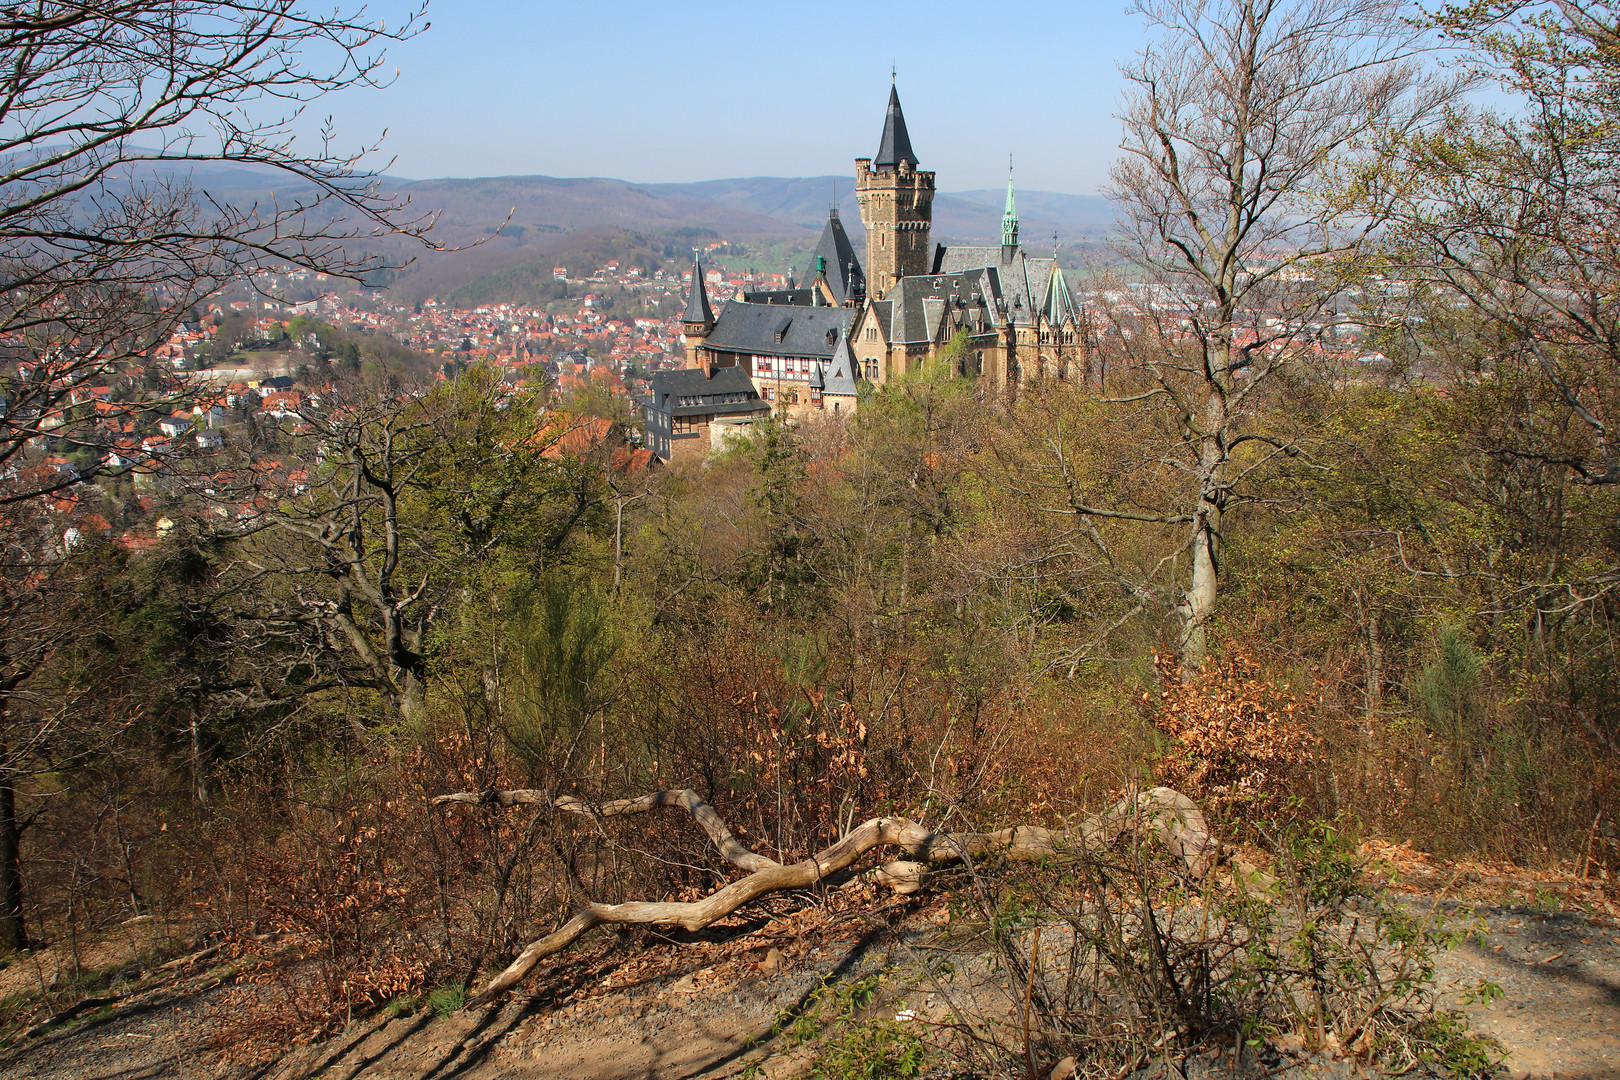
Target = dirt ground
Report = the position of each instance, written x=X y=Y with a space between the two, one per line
x=1551 y=942
x=706 y=1005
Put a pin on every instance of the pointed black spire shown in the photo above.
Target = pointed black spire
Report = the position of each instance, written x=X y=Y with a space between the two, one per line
x=837 y=255
x=896 y=145
x=697 y=301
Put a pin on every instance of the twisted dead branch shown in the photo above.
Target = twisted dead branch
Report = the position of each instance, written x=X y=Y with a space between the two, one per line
x=728 y=845
x=1169 y=815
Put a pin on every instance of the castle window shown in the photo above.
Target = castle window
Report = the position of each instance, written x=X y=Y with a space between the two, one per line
x=815 y=396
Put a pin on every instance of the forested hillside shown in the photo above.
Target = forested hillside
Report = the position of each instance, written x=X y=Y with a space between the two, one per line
x=425 y=684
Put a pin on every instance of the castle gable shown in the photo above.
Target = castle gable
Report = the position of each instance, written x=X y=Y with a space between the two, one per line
x=920 y=305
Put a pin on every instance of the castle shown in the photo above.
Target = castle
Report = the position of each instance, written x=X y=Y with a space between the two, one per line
x=807 y=349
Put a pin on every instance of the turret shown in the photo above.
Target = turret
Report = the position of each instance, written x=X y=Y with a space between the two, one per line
x=698 y=320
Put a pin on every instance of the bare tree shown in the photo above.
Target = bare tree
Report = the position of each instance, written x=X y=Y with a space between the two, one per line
x=1241 y=117
x=109 y=235
x=1517 y=218
x=110 y=113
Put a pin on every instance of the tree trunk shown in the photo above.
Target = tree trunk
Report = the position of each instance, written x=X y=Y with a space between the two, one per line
x=199 y=782
x=1198 y=603
x=1169 y=815
x=13 y=936
x=1202 y=590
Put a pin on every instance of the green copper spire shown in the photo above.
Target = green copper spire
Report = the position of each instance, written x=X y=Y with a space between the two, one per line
x=1009 y=217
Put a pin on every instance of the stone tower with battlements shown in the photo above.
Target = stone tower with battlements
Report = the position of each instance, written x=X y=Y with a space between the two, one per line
x=897 y=206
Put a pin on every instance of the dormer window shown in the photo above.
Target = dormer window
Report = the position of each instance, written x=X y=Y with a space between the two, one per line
x=832 y=336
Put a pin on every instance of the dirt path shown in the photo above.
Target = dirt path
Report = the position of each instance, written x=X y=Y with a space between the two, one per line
x=706 y=1009
x=706 y=1006
x=1560 y=976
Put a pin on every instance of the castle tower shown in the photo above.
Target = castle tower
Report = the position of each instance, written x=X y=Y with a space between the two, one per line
x=698 y=320
x=897 y=206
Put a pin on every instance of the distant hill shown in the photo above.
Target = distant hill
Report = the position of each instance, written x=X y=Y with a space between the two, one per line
x=511 y=230
x=561 y=204
x=583 y=222
x=958 y=215
x=1074 y=217
x=801 y=200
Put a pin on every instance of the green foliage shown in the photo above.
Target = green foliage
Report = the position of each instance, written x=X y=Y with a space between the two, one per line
x=875 y=1050
x=406 y=1004
x=563 y=647
x=1445 y=1039
x=445 y=1001
x=850 y=1043
x=782 y=570
x=1450 y=691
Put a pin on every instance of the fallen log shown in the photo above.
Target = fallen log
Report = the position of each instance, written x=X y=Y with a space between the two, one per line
x=1170 y=815
x=728 y=845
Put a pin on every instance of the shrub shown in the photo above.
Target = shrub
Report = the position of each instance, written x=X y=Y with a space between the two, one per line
x=1237 y=740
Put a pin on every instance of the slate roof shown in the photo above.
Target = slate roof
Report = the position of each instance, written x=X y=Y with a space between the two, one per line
x=917 y=304
x=778 y=330
x=788 y=297
x=896 y=145
x=883 y=311
x=842 y=372
x=1023 y=281
x=844 y=273
x=697 y=301
x=688 y=392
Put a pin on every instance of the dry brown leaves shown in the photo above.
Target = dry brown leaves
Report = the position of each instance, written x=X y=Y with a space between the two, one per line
x=1238 y=740
x=325 y=922
x=1403 y=868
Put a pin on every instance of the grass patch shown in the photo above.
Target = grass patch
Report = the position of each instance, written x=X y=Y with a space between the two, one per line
x=853 y=1044
x=446 y=1000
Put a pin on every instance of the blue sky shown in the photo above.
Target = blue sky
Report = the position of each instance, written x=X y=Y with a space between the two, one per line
x=672 y=92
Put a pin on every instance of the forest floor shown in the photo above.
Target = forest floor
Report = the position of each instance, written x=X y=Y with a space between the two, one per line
x=713 y=1004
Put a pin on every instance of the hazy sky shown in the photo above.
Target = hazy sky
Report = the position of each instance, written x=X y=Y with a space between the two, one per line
x=677 y=91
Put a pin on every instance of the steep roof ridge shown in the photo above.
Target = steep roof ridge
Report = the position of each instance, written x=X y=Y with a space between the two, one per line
x=697 y=301
x=896 y=145
x=844 y=378
x=843 y=265
x=1060 y=303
